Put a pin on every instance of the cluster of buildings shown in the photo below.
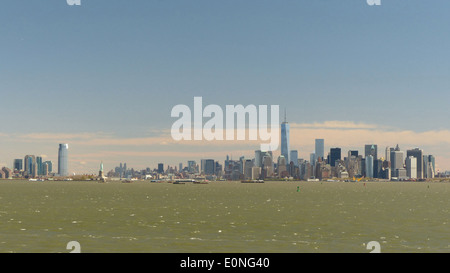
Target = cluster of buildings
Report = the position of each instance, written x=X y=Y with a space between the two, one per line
x=32 y=166
x=391 y=164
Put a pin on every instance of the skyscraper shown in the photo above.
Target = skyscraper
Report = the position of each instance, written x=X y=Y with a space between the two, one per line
x=369 y=166
x=335 y=154
x=411 y=167
x=160 y=168
x=30 y=165
x=294 y=157
x=258 y=158
x=432 y=160
x=418 y=153
x=39 y=167
x=320 y=148
x=63 y=160
x=192 y=166
x=208 y=166
x=371 y=149
x=47 y=167
x=18 y=164
x=396 y=160
x=388 y=154
x=285 y=139
x=281 y=166
x=312 y=159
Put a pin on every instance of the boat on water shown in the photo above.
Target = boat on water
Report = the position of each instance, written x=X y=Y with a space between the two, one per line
x=178 y=182
x=252 y=181
x=200 y=182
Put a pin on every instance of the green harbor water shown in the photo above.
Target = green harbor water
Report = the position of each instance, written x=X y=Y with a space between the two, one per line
x=224 y=217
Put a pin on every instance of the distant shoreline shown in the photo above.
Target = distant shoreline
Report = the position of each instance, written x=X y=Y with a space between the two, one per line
x=233 y=181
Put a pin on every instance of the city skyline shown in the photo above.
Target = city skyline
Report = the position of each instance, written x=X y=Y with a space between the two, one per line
x=398 y=158
x=346 y=72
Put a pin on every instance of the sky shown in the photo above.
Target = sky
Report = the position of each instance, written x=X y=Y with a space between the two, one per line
x=104 y=76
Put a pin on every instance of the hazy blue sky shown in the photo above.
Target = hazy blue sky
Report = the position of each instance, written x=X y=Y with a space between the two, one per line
x=115 y=69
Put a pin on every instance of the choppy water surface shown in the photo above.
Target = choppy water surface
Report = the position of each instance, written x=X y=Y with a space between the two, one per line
x=224 y=217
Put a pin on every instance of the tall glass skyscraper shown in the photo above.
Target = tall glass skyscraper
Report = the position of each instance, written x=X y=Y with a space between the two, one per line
x=39 y=165
x=30 y=165
x=320 y=148
x=63 y=160
x=285 y=140
x=294 y=157
x=335 y=154
x=18 y=164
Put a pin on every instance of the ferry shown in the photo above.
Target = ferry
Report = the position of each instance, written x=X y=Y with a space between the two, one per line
x=252 y=181
x=200 y=182
x=36 y=180
x=179 y=181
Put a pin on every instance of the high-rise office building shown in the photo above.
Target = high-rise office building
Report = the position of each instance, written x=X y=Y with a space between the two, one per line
x=335 y=154
x=312 y=159
x=18 y=164
x=294 y=157
x=425 y=168
x=248 y=166
x=258 y=158
x=63 y=160
x=397 y=161
x=30 y=165
x=411 y=167
x=378 y=168
x=369 y=166
x=371 y=149
x=281 y=166
x=160 y=168
x=268 y=168
x=320 y=149
x=418 y=153
x=208 y=166
x=432 y=160
x=285 y=139
x=47 y=167
x=39 y=166
x=388 y=154
x=192 y=166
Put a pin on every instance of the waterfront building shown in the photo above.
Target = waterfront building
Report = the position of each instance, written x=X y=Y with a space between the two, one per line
x=18 y=164
x=30 y=165
x=63 y=160
x=39 y=166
